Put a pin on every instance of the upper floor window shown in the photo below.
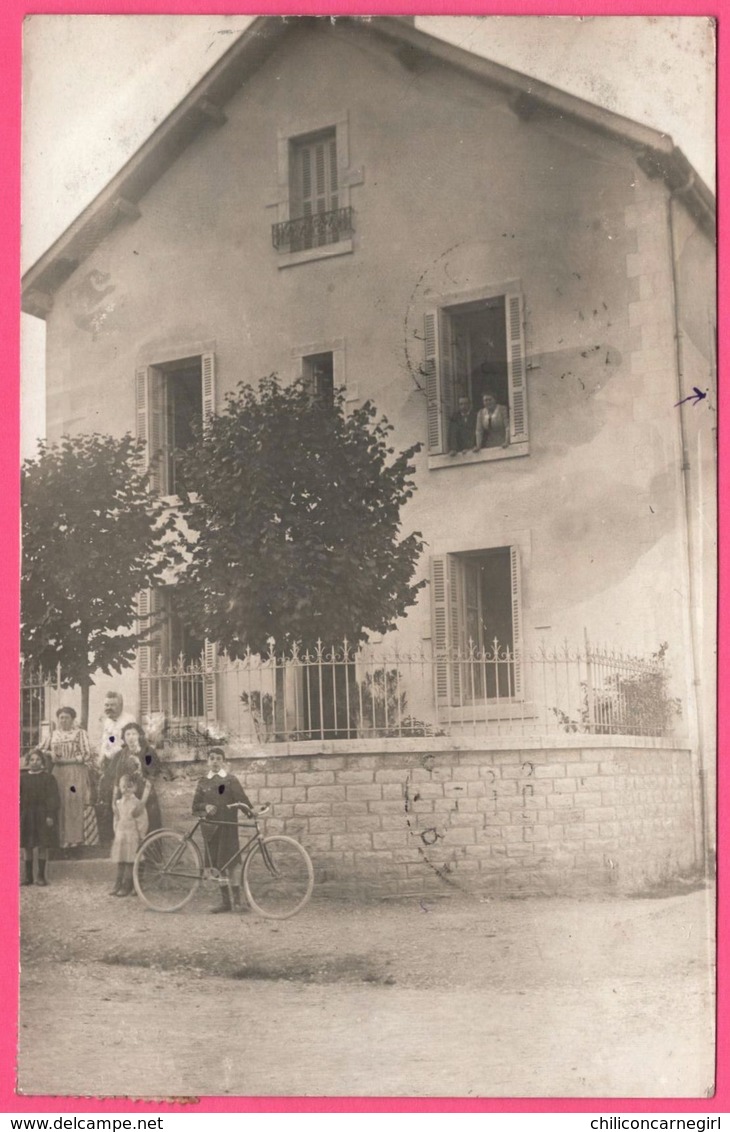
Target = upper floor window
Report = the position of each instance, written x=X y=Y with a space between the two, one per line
x=314 y=188
x=475 y=378
x=318 y=371
x=170 y=397
x=314 y=217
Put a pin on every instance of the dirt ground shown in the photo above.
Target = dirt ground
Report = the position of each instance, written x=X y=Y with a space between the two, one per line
x=458 y=996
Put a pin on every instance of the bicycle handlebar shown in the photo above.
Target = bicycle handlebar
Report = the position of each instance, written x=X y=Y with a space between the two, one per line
x=252 y=811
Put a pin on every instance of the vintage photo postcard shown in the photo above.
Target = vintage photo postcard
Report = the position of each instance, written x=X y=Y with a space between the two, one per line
x=368 y=740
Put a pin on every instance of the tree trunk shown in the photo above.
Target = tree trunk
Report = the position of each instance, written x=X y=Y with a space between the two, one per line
x=84 y=724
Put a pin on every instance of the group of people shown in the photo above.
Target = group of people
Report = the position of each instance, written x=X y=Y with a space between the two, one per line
x=71 y=796
x=472 y=429
x=68 y=794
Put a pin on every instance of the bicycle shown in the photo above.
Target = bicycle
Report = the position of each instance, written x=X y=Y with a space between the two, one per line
x=277 y=875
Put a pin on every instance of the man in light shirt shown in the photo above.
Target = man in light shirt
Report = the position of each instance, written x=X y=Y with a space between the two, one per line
x=114 y=720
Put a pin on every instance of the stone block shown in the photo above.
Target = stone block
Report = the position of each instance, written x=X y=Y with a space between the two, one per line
x=389 y=807
x=315 y=778
x=326 y=762
x=330 y=824
x=550 y=770
x=362 y=823
x=326 y=793
x=390 y=839
x=363 y=793
x=279 y=779
x=352 y=841
x=462 y=836
x=313 y=809
x=355 y=777
x=391 y=774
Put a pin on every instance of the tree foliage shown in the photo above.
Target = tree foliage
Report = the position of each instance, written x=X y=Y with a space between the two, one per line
x=297 y=512
x=93 y=537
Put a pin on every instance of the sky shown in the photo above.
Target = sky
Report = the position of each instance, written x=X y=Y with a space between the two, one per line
x=95 y=87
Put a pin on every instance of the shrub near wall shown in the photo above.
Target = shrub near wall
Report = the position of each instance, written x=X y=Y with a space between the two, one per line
x=590 y=819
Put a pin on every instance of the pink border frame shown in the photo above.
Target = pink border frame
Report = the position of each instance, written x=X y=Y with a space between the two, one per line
x=11 y=19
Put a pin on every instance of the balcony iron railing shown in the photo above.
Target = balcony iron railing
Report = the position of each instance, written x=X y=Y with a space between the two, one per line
x=315 y=231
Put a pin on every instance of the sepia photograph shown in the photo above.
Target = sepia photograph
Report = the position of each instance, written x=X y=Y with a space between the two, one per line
x=369 y=557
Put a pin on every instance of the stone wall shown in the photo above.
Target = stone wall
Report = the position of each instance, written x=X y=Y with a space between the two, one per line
x=584 y=818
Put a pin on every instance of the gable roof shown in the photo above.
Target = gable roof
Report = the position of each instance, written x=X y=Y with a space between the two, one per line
x=204 y=106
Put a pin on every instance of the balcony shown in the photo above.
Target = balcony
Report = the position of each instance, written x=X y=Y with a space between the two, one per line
x=320 y=230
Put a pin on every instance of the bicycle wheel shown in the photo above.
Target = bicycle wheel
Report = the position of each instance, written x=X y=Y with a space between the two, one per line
x=277 y=877
x=167 y=870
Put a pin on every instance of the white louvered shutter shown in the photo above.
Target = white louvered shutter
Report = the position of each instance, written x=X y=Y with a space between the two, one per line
x=516 y=368
x=143 y=653
x=516 y=593
x=445 y=630
x=149 y=655
x=210 y=687
x=157 y=431
x=141 y=405
x=207 y=363
x=436 y=424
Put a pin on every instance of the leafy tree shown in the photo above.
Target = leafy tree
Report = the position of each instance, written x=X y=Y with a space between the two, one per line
x=297 y=512
x=93 y=537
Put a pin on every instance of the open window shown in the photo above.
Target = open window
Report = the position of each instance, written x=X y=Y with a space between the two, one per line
x=170 y=397
x=472 y=349
x=176 y=668
x=476 y=618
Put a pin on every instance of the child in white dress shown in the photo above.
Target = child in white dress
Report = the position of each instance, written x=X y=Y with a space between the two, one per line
x=130 y=826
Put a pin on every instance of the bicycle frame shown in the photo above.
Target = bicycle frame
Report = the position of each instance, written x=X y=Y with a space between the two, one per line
x=239 y=856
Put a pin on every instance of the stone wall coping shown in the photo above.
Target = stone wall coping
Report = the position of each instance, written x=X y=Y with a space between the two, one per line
x=439 y=744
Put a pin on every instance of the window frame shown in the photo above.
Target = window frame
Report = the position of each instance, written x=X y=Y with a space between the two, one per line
x=448 y=627
x=335 y=347
x=148 y=425
x=151 y=659
x=437 y=374
x=287 y=138
x=150 y=407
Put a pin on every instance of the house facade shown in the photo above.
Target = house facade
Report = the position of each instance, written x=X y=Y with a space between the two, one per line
x=360 y=205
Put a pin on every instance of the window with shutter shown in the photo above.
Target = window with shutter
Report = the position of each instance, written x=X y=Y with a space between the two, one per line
x=170 y=397
x=474 y=359
x=314 y=216
x=315 y=189
x=476 y=625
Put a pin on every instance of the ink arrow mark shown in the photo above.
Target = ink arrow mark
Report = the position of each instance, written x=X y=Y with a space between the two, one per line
x=695 y=397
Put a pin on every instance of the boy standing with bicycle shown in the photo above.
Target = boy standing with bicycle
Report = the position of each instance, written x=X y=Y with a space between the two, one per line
x=215 y=793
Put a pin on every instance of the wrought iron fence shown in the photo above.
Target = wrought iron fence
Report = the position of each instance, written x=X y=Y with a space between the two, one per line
x=341 y=692
x=314 y=231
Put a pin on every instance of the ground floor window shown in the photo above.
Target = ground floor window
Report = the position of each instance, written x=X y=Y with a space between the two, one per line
x=175 y=664
x=476 y=615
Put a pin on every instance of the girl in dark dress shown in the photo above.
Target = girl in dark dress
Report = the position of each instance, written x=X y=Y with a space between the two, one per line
x=214 y=794
x=39 y=805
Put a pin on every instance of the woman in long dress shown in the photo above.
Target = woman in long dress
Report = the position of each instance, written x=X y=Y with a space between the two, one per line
x=74 y=772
